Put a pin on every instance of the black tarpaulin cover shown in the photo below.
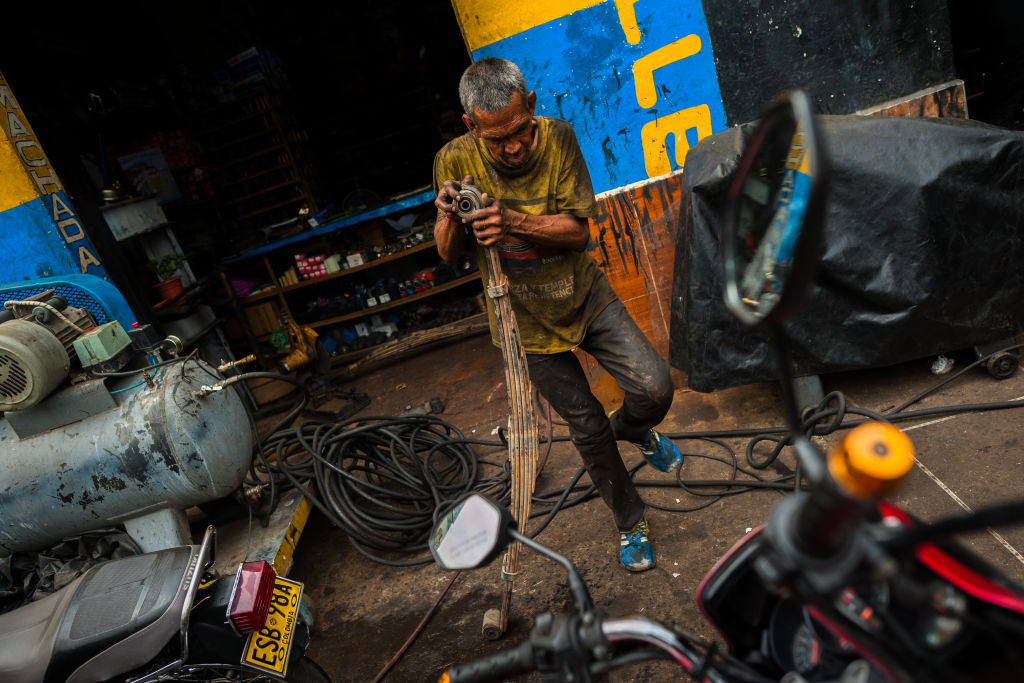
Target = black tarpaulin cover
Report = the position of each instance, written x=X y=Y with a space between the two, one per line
x=922 y=252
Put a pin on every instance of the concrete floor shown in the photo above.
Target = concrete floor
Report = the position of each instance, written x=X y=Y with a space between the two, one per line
x=368 y=610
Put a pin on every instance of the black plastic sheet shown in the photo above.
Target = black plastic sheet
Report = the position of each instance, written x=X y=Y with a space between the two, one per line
x=29 y=576
x=922 y=252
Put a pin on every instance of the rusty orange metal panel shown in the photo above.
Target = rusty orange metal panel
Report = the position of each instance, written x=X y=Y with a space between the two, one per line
x=948 y=100
x=634 y=235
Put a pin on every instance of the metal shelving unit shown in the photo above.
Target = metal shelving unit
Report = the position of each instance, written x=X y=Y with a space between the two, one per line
x=280 y=293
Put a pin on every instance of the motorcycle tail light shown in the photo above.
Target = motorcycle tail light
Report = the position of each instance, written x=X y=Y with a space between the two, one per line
x=250 y=600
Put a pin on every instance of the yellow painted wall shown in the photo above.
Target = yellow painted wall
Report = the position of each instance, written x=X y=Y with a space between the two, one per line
x=487 y=21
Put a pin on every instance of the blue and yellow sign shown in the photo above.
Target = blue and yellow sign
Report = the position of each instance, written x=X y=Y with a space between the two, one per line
x=635 y=78
x=40 y=233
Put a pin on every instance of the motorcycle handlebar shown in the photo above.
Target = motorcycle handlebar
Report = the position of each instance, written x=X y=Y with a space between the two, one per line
x=870 y=462
x=523 y=657
x=511 y=662
x=642 y=630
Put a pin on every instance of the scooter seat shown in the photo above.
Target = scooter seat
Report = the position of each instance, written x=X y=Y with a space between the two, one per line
x=113 y=619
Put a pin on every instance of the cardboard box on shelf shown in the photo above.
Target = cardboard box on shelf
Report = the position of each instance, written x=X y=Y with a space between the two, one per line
x=262 y=318
x=289 y=277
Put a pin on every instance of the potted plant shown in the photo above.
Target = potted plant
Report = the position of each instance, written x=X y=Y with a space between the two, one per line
x=169 y=285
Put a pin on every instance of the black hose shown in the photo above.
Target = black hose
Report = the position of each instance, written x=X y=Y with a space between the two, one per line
x=129 y=373
x=382 y=480
x=813 y=424
x=935 y=387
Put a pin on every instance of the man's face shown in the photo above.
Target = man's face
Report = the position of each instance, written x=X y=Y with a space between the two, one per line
x=510 y=134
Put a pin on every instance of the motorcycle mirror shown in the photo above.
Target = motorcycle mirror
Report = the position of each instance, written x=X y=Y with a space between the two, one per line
x=471 y=534
x=774 y=211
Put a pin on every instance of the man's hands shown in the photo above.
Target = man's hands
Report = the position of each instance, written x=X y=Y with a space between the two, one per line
x=490 y=223
x=493 y=222
x=447 y=195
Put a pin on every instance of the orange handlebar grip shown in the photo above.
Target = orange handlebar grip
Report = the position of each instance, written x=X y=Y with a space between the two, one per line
x=871 y=461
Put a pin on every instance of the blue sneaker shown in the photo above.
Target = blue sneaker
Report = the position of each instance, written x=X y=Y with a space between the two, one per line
x=660 y=452
x=635 y=548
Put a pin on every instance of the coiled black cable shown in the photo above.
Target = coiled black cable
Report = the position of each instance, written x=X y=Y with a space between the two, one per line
x=381 y=480
x=384 y=480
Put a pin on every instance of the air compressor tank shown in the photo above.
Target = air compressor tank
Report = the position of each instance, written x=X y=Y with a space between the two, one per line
x=154 y=448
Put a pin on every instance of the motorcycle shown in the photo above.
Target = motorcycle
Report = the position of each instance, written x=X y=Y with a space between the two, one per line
x=838 y=584
x=160 y=616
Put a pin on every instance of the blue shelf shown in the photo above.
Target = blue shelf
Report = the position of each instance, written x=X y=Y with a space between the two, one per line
x=333 y=226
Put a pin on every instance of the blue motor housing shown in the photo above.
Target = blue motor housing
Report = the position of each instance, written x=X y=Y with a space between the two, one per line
x=102 y=299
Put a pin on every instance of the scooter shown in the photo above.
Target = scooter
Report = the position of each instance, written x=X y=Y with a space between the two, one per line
x=160 y=617
x=838 y=584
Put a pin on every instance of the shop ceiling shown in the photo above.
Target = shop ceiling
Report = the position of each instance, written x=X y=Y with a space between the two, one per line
x=373 y=74
x=371 y=81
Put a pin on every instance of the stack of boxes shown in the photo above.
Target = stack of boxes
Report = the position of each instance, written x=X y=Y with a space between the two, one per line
x=310 y=267
x=263 y=318
x=253 y=69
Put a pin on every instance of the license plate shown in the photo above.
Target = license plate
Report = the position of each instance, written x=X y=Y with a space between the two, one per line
x=267 y=649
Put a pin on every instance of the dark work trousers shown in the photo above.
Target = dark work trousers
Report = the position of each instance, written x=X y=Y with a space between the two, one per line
x=619 y=346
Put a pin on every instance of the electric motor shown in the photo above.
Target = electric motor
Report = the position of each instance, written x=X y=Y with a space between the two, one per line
x=37 y=338
x=33 y=363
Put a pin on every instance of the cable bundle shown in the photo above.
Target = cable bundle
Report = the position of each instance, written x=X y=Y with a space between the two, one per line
x=384 y=480
x=381 y=480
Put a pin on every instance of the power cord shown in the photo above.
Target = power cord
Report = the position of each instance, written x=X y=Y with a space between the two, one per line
x=384 y=479
x=381 y=480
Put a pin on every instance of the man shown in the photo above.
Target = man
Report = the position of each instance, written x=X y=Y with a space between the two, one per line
x=540 y=196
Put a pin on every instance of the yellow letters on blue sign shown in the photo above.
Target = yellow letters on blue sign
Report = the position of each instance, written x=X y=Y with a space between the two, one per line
x=655 y=133
x=643 y=68
x=635 y=78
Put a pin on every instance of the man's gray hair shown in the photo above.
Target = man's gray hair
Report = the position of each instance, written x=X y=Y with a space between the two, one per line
x=488 y=85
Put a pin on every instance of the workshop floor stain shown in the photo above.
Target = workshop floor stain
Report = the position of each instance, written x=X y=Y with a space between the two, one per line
x=368 y=610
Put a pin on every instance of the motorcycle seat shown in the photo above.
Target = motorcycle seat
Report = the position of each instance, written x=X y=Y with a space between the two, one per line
x=28 y=634
x=114 y=618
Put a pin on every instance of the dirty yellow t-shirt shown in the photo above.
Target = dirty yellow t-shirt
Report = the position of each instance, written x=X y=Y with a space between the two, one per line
x=555 y=292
